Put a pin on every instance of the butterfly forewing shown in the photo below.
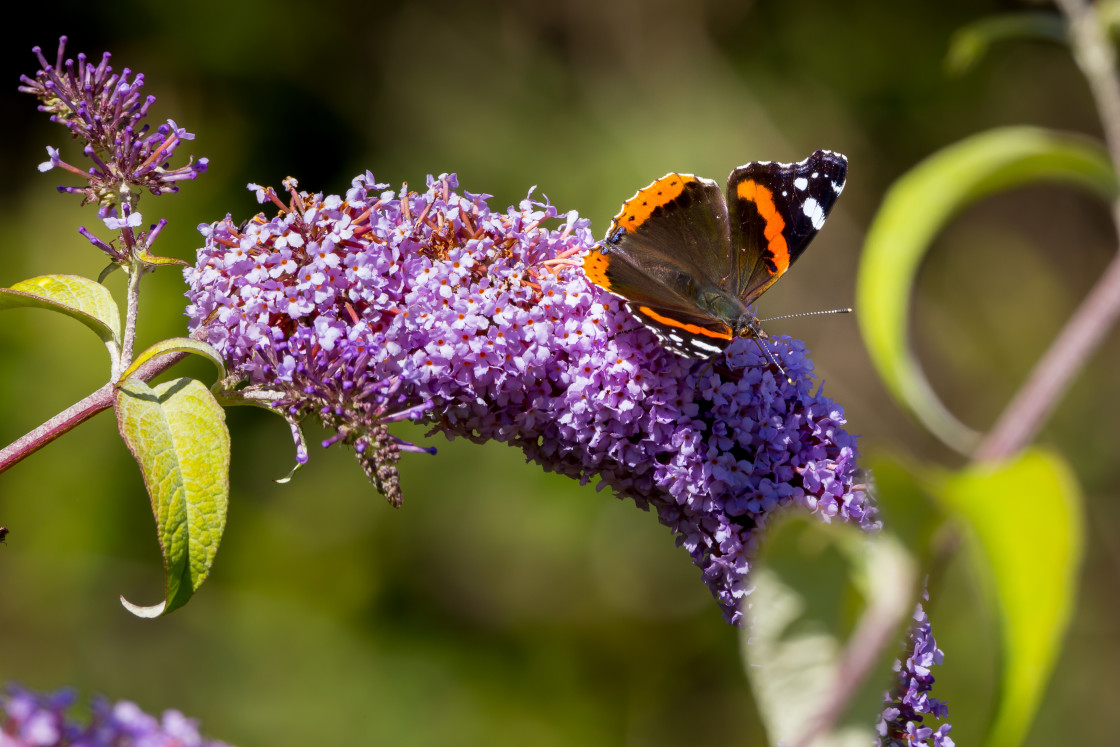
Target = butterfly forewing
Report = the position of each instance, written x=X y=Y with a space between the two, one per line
x=775 y=210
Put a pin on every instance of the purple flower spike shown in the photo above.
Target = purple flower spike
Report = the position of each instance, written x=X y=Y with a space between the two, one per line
x=104 y=110
x=909 y=702
x=378 y=307
x=29 y=719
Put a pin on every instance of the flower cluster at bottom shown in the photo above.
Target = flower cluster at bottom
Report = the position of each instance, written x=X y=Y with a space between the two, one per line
x=30 y=719
x=902 y=722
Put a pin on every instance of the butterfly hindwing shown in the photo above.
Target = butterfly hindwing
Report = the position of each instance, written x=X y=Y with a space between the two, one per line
x=660 y=306
x=669 y=239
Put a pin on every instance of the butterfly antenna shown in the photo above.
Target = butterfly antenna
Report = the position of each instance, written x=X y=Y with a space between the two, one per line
x=808 y=313
x=770 y=357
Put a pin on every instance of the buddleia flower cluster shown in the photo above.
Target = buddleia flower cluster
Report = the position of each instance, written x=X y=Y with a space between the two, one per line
x=104 y=110
x=379 y=306
x=29 y=719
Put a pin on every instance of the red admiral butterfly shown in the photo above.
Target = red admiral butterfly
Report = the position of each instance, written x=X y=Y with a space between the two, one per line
x=688 y=261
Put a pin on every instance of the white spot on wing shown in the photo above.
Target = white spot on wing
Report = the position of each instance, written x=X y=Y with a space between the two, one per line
x=838 y=188
x=801 y=183
x=813 y=212
x=705 y=347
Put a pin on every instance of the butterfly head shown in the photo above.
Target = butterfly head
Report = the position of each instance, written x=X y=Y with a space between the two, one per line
x=748 y=326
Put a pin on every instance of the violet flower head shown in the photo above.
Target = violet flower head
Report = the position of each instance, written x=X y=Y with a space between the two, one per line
x=908 y=703
x=103 y=110
x=381 y=306
x=29 y=719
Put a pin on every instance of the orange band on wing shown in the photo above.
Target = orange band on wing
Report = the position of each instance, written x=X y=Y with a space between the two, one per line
x=763 y=199
x=638 y=208
x=595 y=268
x=691 y=328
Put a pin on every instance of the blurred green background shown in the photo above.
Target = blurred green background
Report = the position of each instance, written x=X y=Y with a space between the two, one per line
x=502 y=605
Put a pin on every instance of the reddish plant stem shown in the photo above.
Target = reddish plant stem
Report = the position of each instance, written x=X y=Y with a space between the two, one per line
x=1082 y=334
x=78 y=413
x=1098 y=313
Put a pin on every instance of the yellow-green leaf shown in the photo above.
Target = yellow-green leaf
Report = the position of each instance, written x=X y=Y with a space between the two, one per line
x=177 y=433
x=154 y=261
x=1026 y=519
x=826 y=616
x=972 y=42
x=177 y=345
x=81 y=298
x=914 y=211
x=905 y=504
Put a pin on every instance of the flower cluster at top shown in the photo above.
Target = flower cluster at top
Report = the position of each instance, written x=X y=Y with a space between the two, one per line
x=30 y=719
x=901 y=724
x=379 y=306
x=103 y=111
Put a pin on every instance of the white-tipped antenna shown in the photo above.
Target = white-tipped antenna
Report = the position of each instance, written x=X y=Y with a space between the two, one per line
x=807 y=313
x=770 y=357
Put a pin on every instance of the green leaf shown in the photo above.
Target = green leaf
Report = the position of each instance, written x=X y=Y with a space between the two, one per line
x=972 y=42
x=177 y=433
x=78 y=297
x=827 y=612
x=177 y=345
x=109 y=270
x=153 y=261
x=914 y=211
x=1025 y=517
x=1108 y=11
x=905 y=503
